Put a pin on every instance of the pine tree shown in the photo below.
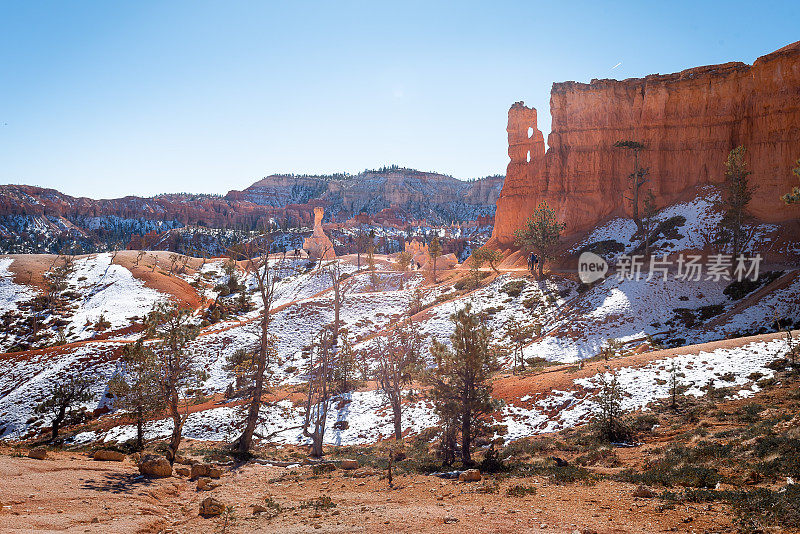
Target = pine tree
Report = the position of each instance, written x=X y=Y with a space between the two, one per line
x=541 y=234
x=794 y=195
x=64 y=395
x=609 y=410
x=434 y=251
x=637 y=178
x=398 y=360
x=460 y=380
x=136 y=386
x=171 y=326
x=738 y=193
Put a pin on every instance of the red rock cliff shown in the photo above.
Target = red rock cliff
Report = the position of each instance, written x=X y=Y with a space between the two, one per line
x=689 y=121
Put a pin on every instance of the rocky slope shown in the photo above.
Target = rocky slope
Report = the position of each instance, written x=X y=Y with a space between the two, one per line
x=689 y=121
x=424 y=195
x=35 y=219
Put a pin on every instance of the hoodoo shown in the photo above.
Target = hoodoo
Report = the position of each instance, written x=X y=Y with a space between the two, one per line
x=318 y=244
x=688 y=122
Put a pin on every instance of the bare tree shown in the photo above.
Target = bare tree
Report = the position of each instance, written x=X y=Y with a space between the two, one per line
x=139 y=256
x=319 y=392
x=398 y=358
x=340 y=290
x=255 y=257
x=518 y=333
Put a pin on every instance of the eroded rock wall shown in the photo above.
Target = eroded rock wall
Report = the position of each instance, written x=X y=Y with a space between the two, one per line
x=689 y=121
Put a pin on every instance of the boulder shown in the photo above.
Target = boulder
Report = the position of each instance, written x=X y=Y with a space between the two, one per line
x=470 y=475
x=39 y=453
x=106 y=455
x=205 y=470
x=349 y=464
x=155 y=466
x=211 y=507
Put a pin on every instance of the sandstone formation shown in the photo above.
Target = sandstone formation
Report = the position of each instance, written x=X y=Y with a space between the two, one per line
x=317 y=244
x=688 y=121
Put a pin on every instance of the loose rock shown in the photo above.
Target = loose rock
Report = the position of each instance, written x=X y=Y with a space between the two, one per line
x=643 y=492
x=105 y=455
x=39 y=453
x=211 y=507
x=349 y=464
x=155 y=466
x=470 y=475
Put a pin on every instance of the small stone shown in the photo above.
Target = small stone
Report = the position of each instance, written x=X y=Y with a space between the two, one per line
x=258 y=509
x=205 y=470
x=205 y=484
x=39 y=453
x=183 y=471
x=643 y=492
x=349 y=464
x=106 y=455
x=470 y=475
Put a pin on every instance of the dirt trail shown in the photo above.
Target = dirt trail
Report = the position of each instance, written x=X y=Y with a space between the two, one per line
x=71 y=493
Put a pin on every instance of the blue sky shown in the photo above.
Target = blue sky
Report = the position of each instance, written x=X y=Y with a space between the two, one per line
x=104 y=99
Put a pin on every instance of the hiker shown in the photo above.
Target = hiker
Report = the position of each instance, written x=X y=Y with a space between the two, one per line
x=533 y=260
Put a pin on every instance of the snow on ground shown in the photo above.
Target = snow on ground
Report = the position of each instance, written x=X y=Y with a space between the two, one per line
x=369 y=418
x=109 y=291
x=726 y=367
x=366 y=412
x=702 y=218
x=40 y=371
x=623 y=310
x=500 y=307
x=11 y=293
x=782 y=302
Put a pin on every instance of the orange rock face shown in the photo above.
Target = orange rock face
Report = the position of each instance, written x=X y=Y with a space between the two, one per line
x=688 y=121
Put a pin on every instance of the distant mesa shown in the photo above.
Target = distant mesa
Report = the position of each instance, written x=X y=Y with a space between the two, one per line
x=688 y=121
x=318 y=245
